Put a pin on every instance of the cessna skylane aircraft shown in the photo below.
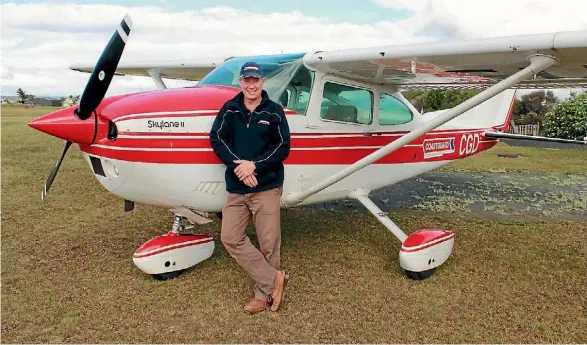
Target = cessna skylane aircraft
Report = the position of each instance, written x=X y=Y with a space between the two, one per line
x=352 y=131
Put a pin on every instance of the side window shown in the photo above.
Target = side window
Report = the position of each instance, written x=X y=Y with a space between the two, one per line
x=347 y=104
x=285 y=98
x=302 y=104
x=301 y=85
x=392 y=111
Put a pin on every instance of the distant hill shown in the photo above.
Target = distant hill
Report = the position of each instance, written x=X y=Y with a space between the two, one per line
x=16 y=98
x=36 y=101
x=11 y=98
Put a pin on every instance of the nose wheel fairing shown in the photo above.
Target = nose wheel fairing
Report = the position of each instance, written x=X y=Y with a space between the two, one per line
x=170 y=255
x=422 y=251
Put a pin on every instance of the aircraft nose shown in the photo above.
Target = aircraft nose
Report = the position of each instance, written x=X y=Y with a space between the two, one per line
x=65 y=125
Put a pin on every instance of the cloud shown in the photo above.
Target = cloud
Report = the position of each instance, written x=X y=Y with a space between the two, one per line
x=5 y=74
x=40 y=41
x=472 y=19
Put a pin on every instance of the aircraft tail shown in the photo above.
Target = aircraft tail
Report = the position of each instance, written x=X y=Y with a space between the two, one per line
x=494 y=113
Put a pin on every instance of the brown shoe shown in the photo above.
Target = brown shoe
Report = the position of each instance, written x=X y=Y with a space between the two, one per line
x=256 y=305
x=278 y=289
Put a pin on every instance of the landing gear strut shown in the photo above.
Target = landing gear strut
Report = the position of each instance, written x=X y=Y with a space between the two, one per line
x=168 y=256
x=422 y=251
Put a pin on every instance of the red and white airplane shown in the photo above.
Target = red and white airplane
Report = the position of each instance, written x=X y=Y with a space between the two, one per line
x=352 y=131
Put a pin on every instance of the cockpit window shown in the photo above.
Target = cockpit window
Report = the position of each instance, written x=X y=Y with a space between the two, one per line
x=279 y=71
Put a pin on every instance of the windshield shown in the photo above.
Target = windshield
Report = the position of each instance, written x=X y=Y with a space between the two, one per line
x=278 y=69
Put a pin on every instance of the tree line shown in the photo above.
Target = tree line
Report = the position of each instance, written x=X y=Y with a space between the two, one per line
x=27 y=97
x=561 y=119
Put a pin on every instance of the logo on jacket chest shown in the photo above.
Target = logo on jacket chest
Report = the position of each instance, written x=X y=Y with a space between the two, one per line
x=263 y=122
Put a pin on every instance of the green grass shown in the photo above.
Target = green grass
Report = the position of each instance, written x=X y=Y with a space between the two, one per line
x=18 y=111
x=68 y=276
x=531 y=159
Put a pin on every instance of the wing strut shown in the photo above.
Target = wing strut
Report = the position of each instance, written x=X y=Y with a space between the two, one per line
x=156 y=75
x=538 y=63
x=363 y=196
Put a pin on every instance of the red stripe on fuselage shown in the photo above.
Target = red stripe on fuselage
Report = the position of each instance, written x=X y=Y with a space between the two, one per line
x=298 y=140
x=204 y=142
x=438 y=132
x=336 y=154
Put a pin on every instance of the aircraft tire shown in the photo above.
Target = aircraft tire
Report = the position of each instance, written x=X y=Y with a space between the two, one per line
x=420 y=275
x=168 y=275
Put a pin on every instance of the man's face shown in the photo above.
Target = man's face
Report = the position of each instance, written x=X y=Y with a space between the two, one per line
x=252 y=87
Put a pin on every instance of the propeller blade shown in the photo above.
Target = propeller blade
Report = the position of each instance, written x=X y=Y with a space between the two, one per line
x=104 y=71
x=53 y=173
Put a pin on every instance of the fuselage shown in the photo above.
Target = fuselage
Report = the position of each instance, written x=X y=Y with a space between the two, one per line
x=154 y=147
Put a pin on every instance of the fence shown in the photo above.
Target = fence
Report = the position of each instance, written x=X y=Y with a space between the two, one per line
x=525 y=129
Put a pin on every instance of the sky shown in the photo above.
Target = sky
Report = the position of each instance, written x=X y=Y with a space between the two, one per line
x=40 y=39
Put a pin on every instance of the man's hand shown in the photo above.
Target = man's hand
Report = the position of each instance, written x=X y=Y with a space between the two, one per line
x=244 y=169
x=250 y=181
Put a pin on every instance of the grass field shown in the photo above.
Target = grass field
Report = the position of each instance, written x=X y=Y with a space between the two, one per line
x=67 y=273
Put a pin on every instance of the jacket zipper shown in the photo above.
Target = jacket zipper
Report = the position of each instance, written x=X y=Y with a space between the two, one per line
x=250 y=117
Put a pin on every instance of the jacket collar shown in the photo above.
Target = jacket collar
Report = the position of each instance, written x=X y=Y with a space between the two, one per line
x=239 y=101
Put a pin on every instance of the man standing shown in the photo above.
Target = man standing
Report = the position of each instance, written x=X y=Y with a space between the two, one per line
x=251 y=136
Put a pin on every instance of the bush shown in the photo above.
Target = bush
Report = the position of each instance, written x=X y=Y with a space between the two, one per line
x=567 y=120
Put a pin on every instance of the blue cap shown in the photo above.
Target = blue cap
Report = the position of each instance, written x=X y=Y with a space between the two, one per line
x=251 y=69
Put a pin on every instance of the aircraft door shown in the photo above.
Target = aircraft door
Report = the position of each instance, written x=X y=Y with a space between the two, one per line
x=342 y=116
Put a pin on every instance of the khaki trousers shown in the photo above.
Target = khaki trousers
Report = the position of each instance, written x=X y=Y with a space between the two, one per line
x=264 y=207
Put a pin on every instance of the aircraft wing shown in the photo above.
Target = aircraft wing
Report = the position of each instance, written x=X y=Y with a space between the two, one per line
x=175 y=69
x=537 y=141
x=477 y=63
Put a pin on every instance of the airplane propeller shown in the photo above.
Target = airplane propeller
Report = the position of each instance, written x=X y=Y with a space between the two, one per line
x=53 y=173
x=97 y=85
x=104 y=71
